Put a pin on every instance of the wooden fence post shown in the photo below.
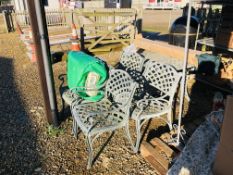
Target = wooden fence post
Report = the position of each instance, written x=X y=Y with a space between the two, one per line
x=82 y=40
x=8 y=21
x=5 y=21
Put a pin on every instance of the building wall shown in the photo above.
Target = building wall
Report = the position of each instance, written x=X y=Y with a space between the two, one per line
x=141 y=3
x=93 y=4
x=53 y=4
x=21 y=5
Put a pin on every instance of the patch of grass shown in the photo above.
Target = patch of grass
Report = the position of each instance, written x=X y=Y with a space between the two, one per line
x=54 y=131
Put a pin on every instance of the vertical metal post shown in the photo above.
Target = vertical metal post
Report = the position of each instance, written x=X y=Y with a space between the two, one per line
x=183 y=80
x=40 y=38
x=4 y=13
x=197 y=36
x=82 y=40
x=169 y=21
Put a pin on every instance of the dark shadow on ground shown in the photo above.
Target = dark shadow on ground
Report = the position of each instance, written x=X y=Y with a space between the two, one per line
x=18 y=147
x=155 y=36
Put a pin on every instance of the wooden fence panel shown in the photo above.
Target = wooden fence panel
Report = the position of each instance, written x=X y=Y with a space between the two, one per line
x=107 y=26
x=6 y=22
x=2 y=24
x=22 y=18
x=53 y=18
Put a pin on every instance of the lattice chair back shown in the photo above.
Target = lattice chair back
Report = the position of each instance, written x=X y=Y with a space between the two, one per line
x=120 y=87
x=163 y=77
x=132 y=60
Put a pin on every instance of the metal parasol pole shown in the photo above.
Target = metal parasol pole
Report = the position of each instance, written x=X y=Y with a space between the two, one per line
x=183 y=80
x=40 y=37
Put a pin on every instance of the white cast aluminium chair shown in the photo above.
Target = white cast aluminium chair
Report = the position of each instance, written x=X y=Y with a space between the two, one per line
x=165 y=79
x=107 y=115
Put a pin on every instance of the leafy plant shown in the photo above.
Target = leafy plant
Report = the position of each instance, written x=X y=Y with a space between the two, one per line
x=54 y=131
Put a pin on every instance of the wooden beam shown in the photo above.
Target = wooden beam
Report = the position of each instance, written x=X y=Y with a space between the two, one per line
x=164 y=48
x=109 y=33
x=154 y=158
x=114 y=41
x=156 y=142
x=106 y=48
x=106 y=24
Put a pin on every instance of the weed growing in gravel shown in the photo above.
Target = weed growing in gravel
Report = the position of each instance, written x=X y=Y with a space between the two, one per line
x=54 y=131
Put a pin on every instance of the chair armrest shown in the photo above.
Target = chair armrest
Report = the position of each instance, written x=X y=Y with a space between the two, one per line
x=156 y=102
x=62 y=86
x=74 y=91
x=83 y=89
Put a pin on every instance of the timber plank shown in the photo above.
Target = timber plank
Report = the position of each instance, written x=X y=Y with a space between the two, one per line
x=166 y=49
x=165 y=137
x=148 y=151
x=113 y=41
x=156 y=142
x=156 y=165
x=106 y=48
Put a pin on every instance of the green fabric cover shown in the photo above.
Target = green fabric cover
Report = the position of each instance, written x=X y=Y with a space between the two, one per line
x=78 y=66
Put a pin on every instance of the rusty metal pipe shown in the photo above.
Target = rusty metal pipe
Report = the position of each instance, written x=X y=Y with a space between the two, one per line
x=40 y=38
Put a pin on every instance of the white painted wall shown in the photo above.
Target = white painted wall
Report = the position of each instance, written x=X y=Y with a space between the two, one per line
x=93 y=4
x=53 y=4
x=21 y=5
x=141 y=3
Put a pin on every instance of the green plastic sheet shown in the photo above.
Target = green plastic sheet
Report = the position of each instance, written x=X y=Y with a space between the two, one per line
x=79 y=64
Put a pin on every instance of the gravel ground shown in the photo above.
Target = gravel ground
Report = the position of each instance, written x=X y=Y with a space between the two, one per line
x=29 y=146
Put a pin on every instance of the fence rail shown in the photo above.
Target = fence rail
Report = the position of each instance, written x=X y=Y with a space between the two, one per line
x=79 y=17
x=2 y=24
x=102 y=18
x=22 y=18
x=53 y=18
x=106 y=26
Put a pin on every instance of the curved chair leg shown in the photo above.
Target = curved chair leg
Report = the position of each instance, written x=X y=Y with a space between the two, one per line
x=63 y=106
x=170 y=119
x=126 y=128
x=75 y=128
x=186 y=91
x=90 y=151
x=138 y=130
